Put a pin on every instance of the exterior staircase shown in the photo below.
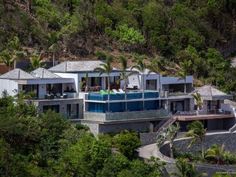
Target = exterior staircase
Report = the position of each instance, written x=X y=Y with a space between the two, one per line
x=166 y=124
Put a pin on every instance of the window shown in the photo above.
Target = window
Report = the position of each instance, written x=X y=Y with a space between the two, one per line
x=151 y=84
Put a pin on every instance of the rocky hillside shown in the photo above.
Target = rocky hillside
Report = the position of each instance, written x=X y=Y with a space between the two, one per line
x=201 y=32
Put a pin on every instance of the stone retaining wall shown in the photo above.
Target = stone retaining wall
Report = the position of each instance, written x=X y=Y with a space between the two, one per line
x=181 y=145
x=226 y=139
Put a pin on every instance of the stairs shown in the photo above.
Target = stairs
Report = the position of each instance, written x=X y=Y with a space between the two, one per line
x=166 y=124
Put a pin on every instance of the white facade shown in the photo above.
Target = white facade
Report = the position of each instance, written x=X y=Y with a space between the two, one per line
x=155 y=81
x=10 y=86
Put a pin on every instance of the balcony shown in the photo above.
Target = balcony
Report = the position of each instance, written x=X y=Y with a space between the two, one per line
x=203 y=115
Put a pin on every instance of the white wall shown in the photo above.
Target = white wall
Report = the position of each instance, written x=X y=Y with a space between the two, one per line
x=136 y=80
x=42 y=90
x=8 y=85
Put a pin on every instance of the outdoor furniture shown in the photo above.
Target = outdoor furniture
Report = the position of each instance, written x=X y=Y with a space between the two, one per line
x=58 y=95
x=121 y=91
x=115 y=91
x=64 y=95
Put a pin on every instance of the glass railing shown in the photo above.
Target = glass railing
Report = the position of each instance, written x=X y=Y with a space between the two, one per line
x=121 y=96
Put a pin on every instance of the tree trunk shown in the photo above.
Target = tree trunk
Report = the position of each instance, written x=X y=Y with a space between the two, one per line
x=171 y=150
x=202 y=148
x=142 y=77
x=108 y=83
x=53 y=59
x=30 y=6
x=185 y=87
x=125 y=87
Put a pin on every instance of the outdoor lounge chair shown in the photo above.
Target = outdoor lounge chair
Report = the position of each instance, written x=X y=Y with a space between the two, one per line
x=115 y=91
x=121 y=91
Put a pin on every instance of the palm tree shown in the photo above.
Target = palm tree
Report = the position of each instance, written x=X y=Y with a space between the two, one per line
x=158 y=66
x=140 y=67
x=168 y=135
x=36 y=61
x=217 y=153
x=125 y=75
x=197 y=131
x=106 y=68
x=198 y=100
x=183 y=72
x=54 y=48
x=185 y=169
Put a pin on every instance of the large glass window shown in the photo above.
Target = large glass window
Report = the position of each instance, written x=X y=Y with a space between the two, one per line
x=30 y=89
x=72 y=111
x=151 y=84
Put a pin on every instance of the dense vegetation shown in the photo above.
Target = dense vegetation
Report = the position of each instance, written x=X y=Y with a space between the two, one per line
x=198 y=31
x=49 y=145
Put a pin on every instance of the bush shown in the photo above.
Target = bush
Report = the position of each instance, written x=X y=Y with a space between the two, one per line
x=127 y=142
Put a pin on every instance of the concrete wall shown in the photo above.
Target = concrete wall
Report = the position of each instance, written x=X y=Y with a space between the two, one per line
x=10 y=86
x=96 y=127
x=62 y=103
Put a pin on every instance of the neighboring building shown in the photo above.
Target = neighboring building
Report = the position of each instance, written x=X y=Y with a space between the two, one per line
x=48 y=91
x=216 y=113
x=212 y=98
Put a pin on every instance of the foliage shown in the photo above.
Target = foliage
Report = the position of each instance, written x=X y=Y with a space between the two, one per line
x=127 y=143
x=36 y=61
x=197 y=132
x=177 y=30
x=186 y=169
x=198 y=100
x=49 y=145
x=169 y=134
x=127 y=35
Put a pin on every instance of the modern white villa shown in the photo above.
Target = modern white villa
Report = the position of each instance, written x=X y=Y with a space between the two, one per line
x=76 y=90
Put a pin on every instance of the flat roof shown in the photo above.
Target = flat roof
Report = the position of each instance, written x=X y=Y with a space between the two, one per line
x=78 y=66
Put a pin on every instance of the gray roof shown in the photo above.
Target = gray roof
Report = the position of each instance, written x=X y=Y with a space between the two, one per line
x=77 y=66
x=44 y=73
x=16 y=74
x=209 y=92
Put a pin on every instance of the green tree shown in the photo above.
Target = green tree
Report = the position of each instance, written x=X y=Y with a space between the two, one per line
x=184 y=71
x=198 y=101
x=140 y=66
x=113 y=165
x=197 y=131
x=36 y=61
x=127 y=142
x=124 y=76
x=106 y=68
x=185 y=169
x=216 y=153
x=168 y=135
